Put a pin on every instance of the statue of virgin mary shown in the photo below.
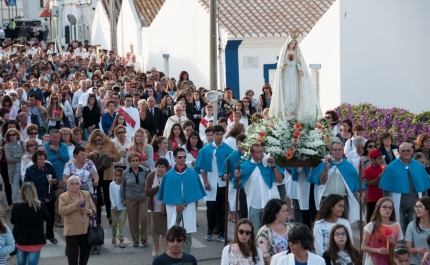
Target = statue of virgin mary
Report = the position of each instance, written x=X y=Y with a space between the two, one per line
x=294 y=95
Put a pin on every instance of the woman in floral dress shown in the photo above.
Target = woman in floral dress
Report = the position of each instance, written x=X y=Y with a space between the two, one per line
x=272 y=237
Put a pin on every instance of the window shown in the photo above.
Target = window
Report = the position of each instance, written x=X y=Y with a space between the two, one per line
x=44 y=3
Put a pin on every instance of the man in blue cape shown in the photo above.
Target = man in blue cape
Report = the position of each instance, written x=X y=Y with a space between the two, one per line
x=180 y=189
x=405 y=181
x=208 y=163
x=338 y=176
x=259 y=177
x=234 y=162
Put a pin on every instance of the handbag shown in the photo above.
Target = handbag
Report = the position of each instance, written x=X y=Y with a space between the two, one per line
x=95 y=235
x=102 y=162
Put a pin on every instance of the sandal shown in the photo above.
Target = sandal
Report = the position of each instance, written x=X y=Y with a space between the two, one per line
x=53 y=240
x=135 y=244
x=113 y=240
x=145 y=243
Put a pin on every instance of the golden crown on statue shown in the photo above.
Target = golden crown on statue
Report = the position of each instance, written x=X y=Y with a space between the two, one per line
x=294 y=33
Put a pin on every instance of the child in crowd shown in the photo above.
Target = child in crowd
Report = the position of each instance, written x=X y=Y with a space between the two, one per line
x=205 y=121
x=208 y=135
x=118 y=211
x=402 y=255
x=340 y=248
x=381 y=234
x=371 y=177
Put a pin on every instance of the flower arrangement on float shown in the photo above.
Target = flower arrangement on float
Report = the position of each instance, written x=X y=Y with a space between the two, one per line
x=293 y=143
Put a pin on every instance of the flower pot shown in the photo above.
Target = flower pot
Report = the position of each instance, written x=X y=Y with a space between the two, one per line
x=297 y=163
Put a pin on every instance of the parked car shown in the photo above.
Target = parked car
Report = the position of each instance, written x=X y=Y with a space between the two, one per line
x=31 y=23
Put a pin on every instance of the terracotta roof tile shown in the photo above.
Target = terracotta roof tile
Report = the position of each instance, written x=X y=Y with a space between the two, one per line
x=147 y=10
x=263 y=18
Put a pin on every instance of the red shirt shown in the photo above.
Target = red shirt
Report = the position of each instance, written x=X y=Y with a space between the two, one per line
x=374 y=193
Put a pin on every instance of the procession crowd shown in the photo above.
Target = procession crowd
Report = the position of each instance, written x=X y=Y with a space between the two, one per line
x=82 y=130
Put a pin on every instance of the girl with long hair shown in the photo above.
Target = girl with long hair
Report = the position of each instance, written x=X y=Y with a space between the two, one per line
x=166 y=106
x=55 y=113
x=8 y=104
x=28 y=217
x=340 y=249
x=141 y=146
x=176 y=137
x=418 y=230
x=331 y=213
x=243 y=250
x=382 y=234
x=235 y=130
x=192 y=148
x=272 y=237
x=91 y=115
x=119 y=120
x=160 y=146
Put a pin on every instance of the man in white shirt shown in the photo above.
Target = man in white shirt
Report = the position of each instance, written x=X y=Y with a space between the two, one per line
x=78 y=94
x=259 y=178
x=131 y=116
x=177 y=118
x=136 y=64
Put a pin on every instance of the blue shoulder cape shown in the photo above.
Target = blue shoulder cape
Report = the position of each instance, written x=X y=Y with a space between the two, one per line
x=267 y=173
x=235 y=158
x=348 y=171
x=170 y=189
x=395 y=177
x=204 y=159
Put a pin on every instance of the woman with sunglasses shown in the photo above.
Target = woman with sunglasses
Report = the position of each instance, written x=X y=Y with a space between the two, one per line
x=78 y=136
x=123 y=144
x=365 y=160
x=265 y=98
x=55 y=113
x=132 y=193
x=30 y=148
x=14 y=151
x=32 y=132
x=98 y=145
x=243 y=250
x=272 y=237
x=43 y=175
x=248 y=108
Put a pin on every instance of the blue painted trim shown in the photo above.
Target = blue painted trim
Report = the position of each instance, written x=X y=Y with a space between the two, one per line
x=267 y=67
x=232 y=66
x=166 y=56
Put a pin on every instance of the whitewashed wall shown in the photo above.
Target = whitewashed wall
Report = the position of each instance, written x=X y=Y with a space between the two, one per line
x=100 y=32
x=129 y=29
x=385 y=53
x=322 y=46
x=181 y=29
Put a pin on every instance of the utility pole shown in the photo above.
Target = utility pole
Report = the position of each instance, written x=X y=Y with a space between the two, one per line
x=213 y=56
x=112 y=25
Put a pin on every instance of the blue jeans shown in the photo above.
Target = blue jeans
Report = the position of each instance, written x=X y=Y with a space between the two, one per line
x=15 y=182
x=27 y=258
x=45 y=35
x=86 y=133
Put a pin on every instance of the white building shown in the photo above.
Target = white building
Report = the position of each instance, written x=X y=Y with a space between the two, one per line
x=354 y=48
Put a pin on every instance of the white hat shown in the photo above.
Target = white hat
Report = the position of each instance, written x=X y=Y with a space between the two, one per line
x=11 y=92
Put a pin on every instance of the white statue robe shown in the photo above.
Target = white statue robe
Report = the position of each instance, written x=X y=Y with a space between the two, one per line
x=294 y=96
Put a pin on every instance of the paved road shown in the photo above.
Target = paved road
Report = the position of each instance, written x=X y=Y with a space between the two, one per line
x=206 y=253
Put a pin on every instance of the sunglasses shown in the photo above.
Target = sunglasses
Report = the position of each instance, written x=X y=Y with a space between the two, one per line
x=121 y=132
x=371 y=146
x=74 y=183
x=179 y=240
x=32 y=145
x=246 y=101
x=33 y=133
x=97 y=140
x=247 y=232
x=77 y=133
x=327 y=117
x=14 y=134
x=182 y=157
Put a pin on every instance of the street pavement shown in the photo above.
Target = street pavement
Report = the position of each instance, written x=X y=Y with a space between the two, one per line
x=206 y=252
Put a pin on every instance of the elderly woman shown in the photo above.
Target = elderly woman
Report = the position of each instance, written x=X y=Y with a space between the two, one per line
x=76 y=205
x=67 y=138
x=423 y=142
x=387 y=147
x=14 y=150
x=157 y=220
x=98 y=145
x=132 y=193
x=30 y=148
x=32 y=131
x=146 y=117
x=354 y=156
x=27 y=219
x=122 y=143
x=45 y=180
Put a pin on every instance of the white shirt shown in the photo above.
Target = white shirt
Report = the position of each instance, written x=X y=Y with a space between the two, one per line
x=134 y=114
